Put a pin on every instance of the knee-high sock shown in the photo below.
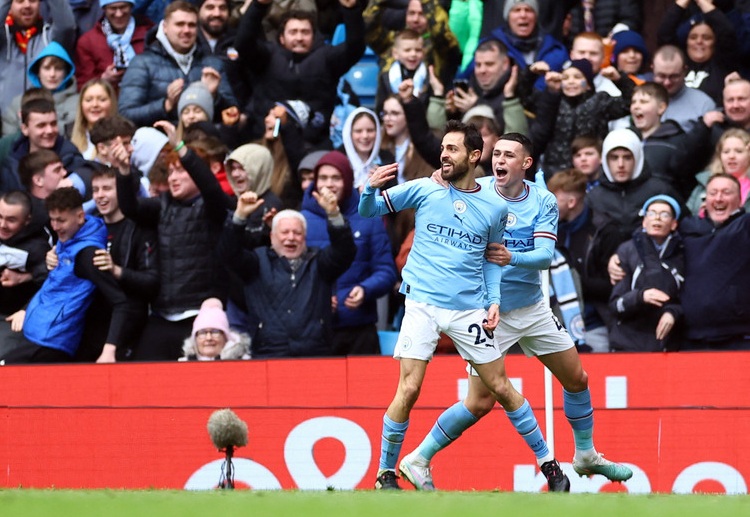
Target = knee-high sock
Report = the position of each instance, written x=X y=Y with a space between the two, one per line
x=449 y=426
x=390 y=442
x=580 y=414
x=524 y=421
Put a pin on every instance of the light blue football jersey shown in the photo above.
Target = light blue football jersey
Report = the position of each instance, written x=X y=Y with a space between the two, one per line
x=446 y=265
x=531 y=216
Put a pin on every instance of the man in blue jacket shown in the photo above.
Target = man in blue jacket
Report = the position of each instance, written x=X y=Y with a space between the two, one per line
x=373 y=272
x=49 y=329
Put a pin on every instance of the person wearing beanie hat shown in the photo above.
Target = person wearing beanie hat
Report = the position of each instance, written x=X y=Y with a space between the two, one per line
x=373 y=272
x=630 y=54
x=196 y=104
x=147 y=143
x=212 y=339
x=306 y=167
x=572 y=108
x=646 y=301
x=513 y=4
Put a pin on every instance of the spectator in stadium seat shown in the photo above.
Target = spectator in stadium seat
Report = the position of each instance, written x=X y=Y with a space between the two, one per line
x=646 y=302
x=22 y=268
x=288 y=286
x=188 y=218
x=371 y=275
x=25 y=34
x=715 y=299
x=297 y=66
x=38 y=334
x=154 y=80
x=105 y=51
x=686 y=104
x=212 y=339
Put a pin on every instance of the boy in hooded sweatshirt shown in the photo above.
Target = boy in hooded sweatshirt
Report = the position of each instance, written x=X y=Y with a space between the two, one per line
x=53 y=70
x=626 y=185
x=570 y=107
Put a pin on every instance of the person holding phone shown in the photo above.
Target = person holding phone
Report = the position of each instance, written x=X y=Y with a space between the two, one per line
x=105 y=51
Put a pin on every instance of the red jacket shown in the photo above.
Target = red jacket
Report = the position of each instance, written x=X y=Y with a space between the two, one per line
x=93 y=55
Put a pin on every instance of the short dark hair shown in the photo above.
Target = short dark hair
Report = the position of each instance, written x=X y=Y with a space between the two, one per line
x=297 y=14
x=472 y=137
x=63 y=199
x=492 y=44
x=179 y=5
x=34 y=163
x=522 y=139
x=18 y=197
x=490 y=124
x=406 y=34
x=107 y=128
x=103 y=172
x=655 y=90
x=36 y=106
x=36 y=93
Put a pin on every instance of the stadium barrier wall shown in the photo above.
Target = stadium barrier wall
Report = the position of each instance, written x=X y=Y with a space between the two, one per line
x=679 y=420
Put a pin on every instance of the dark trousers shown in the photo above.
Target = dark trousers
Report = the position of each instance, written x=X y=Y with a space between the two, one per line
x=162 y=339
x=19 y=350
x=357 y=340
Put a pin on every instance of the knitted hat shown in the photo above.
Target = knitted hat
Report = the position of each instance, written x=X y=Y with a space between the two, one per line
x=298 y=110
x=107 y=2
x=310 y=160
x=628 y=39
x=664 y=199
x=197 y=95
x=147 y=144
x=211 y=316
x=479 y=110
x=584 y=66
x=510 y=4
x=341 y=162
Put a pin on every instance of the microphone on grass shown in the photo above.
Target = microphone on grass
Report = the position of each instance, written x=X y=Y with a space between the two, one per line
x=227 y=431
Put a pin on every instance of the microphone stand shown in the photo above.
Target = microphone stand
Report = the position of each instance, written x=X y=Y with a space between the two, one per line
x=226 y=481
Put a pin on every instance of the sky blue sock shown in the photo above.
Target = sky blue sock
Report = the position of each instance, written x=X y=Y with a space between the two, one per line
x=580 y=414
x=450 y=425
x=390 y=442
x=524 y=421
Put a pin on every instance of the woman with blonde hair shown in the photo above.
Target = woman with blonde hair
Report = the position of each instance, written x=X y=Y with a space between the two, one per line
x=97 y=100
x=732 y=156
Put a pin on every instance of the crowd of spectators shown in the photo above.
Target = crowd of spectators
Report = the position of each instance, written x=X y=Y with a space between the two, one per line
x=179 y=180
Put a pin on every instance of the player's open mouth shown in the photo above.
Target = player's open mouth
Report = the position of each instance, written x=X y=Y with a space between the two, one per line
x=500 y=173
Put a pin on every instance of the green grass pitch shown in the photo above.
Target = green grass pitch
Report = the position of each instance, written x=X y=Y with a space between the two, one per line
x=112 y=503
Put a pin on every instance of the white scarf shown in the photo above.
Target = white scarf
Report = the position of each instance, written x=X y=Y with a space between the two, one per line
x=361 y=169
x=395 y=77
x=184 y=61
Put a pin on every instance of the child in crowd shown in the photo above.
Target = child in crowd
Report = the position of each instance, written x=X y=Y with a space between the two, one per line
x=587 y=158
x=196 y=104
x=663 y=142
x=53 y=70
x=408 y=56
x=569 y=107
x=646 y=301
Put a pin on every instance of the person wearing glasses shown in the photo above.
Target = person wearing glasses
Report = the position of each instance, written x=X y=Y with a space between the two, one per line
x=212 y=339
x=646 y=301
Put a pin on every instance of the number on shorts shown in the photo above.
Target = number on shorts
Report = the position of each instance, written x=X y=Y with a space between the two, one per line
x=478 y=340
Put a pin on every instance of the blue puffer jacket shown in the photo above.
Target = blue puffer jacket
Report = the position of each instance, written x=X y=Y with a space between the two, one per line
x=144 y=86
x=55 y=315
x=373 y=267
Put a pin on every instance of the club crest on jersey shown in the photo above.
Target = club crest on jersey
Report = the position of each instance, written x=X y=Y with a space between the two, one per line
x=459 y=206
x=511 y=220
